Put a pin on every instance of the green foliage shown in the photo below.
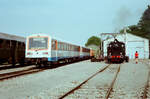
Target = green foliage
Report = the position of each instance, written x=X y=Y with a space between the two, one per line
x=142 y=29
x=94 y=40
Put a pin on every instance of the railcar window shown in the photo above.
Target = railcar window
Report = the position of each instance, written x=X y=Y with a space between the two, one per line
x=77 y=49
x=70 y=47
x=66 y=47
x=38 y=43
x=62 y=46
x=74 y=48
x=59 y=46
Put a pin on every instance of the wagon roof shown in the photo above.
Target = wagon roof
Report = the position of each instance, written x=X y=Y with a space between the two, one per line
x=11 y=37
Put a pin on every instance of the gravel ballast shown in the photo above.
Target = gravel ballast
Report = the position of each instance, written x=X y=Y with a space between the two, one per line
x=53 y=83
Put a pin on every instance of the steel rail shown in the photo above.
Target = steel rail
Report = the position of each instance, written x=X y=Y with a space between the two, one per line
x=147 y=83
x=112 y=84
x=7 y=76
x=77 y=87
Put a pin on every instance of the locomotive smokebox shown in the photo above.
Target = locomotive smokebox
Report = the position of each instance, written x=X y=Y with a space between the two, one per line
x=116 y=52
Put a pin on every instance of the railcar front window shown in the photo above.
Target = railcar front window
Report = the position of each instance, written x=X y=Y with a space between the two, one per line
x=38 y=43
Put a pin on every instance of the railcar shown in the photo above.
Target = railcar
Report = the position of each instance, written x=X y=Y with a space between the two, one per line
x=12 y=49
x=116 y=52
x=44 y=50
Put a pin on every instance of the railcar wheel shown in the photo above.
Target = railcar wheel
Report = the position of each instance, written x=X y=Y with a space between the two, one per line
x=46 y=64
x=21 y=63
x=1 y=62
x=38 y=65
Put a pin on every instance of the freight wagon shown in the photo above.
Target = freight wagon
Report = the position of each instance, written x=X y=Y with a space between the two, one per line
x=12 y=49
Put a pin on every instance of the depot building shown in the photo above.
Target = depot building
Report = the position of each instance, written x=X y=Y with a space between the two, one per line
x=133 y=43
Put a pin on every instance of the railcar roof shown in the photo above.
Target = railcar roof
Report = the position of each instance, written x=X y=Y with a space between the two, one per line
x=56 y=38
x=11 y=37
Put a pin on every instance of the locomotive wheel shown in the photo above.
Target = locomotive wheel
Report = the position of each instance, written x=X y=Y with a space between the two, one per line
x=127 y=60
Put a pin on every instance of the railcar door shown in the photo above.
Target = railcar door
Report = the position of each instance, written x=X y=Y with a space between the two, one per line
x=13 y=55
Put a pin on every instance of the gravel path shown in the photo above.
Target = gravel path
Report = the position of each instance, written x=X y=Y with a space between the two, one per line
x=131 y=81
x=97 y=87
x=49 y=81
x=52 y=83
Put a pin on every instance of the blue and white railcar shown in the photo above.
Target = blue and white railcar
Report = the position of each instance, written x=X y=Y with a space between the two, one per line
x=42 y=48
x=38 y=47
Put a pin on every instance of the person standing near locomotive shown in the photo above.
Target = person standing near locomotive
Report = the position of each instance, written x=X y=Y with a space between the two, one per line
x=136 y=57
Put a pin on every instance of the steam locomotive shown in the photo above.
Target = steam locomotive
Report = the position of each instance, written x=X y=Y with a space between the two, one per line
x=116 y=52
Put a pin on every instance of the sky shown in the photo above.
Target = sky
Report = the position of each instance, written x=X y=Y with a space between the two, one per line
x=71 y=20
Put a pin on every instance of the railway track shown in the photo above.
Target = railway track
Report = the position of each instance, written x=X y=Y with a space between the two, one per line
x=6 y=76
x=146 y=92
x=9 y=66
x=32 y=69
x=146 y=89
x=82 y=86
x=112 y=84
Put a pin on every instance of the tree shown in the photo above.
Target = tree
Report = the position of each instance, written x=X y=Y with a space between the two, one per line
x=94 y=40
x=142 y=29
